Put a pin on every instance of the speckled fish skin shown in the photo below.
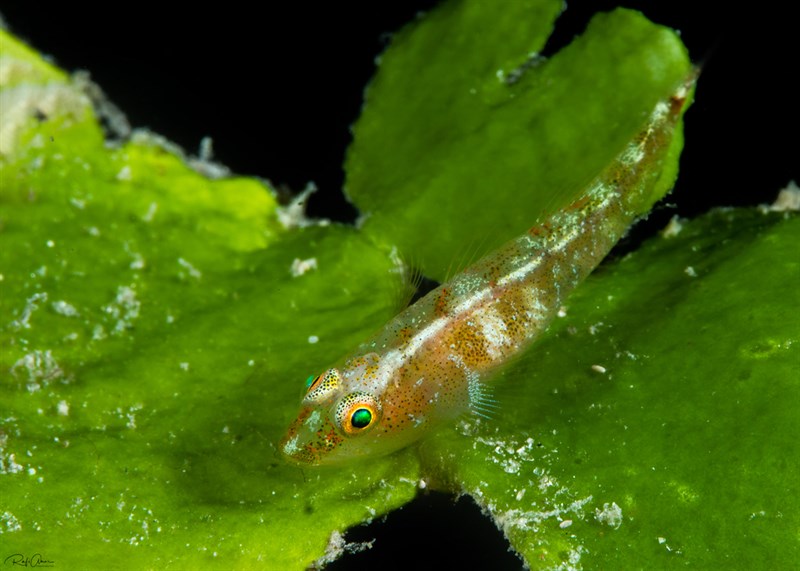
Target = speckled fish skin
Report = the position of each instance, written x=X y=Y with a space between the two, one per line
x=431 y=362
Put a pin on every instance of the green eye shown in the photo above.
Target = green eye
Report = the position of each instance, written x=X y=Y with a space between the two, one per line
x=321 y=387
x=357 y=412
x=361 y=418
x=312 y=382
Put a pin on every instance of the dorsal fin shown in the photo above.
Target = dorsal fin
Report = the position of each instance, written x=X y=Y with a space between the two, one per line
x=412 y=283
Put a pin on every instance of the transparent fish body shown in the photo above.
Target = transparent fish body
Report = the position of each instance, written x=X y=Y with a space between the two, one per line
x=431 y=363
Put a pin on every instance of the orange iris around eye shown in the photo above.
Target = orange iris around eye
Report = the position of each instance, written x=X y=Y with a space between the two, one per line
x=357 y=412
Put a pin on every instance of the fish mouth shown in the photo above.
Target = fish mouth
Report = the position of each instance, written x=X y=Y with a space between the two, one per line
x=295 y=445
x=310 y=440
x=297 y=454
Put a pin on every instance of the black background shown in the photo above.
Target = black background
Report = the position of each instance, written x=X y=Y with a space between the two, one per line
x=278 y=86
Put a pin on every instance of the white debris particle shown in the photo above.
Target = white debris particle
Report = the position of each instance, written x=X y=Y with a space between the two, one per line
x=313 y=339
x=98 y=333
x=206 y=151
x=63 y=408
x=138 y=261
x=530 y=520
x=337 y=546
x=293 y=215
x=125 y=309
x=93 y=231
x=511 y=466
x=204 y=164
x=662 y=540
x=184 y=366
x=250 y=363
x=599 y=369
x=193 y=272
x=573 y=562
x=562 y=311
x=78 y=203
x=65 y=308
x=546 y=481
x=552 y=505
x=50 y=243
x=632 y=155
x=674 y=227
x=788 y=199
x=124 y=173
x=170 y=318
x=9 y=523
x=660 y=111
x=40 y=368
x=422 y=484
x=689 y=271
x=151 y=212
x=611 y=515
x=299 y=267
x=8 y=461
x=31 y=305
x=9 y=465
x=627 y=354
x=130 y=415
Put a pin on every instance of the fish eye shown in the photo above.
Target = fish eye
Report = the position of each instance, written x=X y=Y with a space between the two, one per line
x=322 y=386
x=312 y=382
x=357 y=412
x=361 y=418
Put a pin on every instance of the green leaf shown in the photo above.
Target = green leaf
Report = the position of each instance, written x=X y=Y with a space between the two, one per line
x=155 y=331
x=449 y=148
x=657 y=419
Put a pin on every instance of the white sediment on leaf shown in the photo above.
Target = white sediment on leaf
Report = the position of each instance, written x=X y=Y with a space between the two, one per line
x=193 y=272
x=20 y=103
x=610 y=514
x=39 y=368
x=674 y=227
x=124 y=309
x=300 y=267
x=9 y=523
x=788 y=199
x=293 y=215
x=31 y=305
x=65 y=308
x=337 y=546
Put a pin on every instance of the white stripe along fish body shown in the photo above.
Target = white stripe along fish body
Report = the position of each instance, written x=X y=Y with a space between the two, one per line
x=432 y=361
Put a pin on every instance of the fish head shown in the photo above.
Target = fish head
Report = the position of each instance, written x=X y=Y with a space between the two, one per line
x=335 y=424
